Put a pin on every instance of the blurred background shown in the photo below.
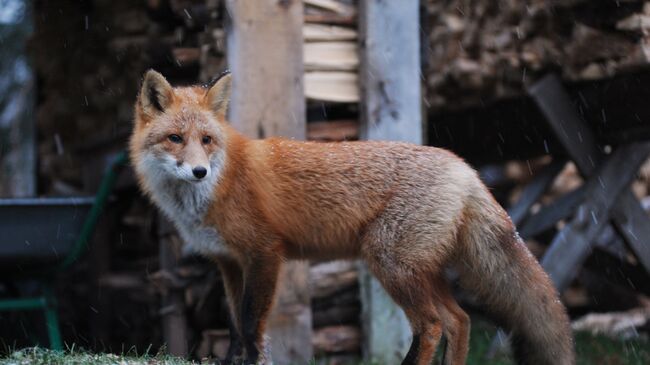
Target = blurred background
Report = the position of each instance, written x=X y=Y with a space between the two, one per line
x=499 y=82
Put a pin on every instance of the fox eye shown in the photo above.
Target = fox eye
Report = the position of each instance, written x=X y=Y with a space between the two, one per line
x=206 y=139
x=175 y=138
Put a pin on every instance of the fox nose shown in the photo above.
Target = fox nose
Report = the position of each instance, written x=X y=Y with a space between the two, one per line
x=199 y=172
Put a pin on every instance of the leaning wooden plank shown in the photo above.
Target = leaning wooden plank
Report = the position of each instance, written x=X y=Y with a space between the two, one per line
x=574 y=135
x=533 y=191
x=631 y=221
x=331 y=56
x=327 y=33
x=551 y=214
x=265 y=44
x=571 y=246
x=579 y=142
x=332 y=86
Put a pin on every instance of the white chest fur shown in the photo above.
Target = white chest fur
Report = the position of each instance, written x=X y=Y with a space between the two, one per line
x=186 y=203
x=202 y=239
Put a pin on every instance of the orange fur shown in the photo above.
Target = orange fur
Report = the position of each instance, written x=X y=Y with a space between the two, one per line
x=408 y=211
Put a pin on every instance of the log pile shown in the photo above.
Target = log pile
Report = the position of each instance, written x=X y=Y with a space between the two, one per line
x=481 y=50
x=335 y=311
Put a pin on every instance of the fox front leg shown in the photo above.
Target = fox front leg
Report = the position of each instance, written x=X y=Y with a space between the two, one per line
x=233 y=281
x=260 y=282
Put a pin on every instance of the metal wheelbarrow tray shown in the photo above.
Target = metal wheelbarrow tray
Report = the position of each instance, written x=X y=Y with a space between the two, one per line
x=39 y=232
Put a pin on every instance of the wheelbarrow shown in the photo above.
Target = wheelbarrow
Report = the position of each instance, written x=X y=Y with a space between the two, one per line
x=42 y=236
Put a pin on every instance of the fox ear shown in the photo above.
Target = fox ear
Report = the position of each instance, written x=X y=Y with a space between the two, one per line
x=218 y=97
x=156 y=93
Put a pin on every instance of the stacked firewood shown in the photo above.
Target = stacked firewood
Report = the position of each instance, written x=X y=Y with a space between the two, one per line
x=481 y=50
x=336 y=311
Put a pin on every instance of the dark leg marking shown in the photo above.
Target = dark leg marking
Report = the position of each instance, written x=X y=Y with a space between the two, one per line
x=235 y=349
x=249 y=328
x=412 y=356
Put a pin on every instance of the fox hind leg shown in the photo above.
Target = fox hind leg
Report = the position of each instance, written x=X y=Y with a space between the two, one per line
x=456 y=325
x=418 y=305
x=426 y=336
x=425 y=322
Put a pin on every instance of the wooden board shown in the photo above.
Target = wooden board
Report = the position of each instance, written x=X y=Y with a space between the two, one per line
x=533 y=191
x=342 y=87
x=265 y=57
x=331 y=131
x=323 y=32
x=334 y=6
x=331 y=56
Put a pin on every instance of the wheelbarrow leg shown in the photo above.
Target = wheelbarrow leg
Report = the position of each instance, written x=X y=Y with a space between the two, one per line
x=52 y=320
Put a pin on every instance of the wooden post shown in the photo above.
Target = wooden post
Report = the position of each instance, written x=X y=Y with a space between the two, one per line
x=17 y=132
x=265 y=57
x=174 y=321
x=390 y=110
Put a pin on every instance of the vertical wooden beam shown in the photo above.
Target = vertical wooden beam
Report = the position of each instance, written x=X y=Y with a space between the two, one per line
x=390 y=110
x=265 y=57
x=174 y=321
x=389 y=37
x=17 y=130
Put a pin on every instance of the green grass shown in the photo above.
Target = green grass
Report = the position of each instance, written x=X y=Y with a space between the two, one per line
x=590 y=349
x=39 y=356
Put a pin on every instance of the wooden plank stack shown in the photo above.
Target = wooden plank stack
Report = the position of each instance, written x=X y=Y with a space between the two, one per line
x=330 y=51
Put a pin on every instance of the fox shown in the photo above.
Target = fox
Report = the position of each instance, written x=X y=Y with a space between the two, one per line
x=409 y=211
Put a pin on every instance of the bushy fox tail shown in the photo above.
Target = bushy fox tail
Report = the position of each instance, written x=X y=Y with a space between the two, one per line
x=496 y=266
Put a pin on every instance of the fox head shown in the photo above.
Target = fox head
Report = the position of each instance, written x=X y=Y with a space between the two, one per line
x=179 y=132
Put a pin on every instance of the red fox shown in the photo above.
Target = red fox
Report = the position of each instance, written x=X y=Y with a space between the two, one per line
x=409 y=211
